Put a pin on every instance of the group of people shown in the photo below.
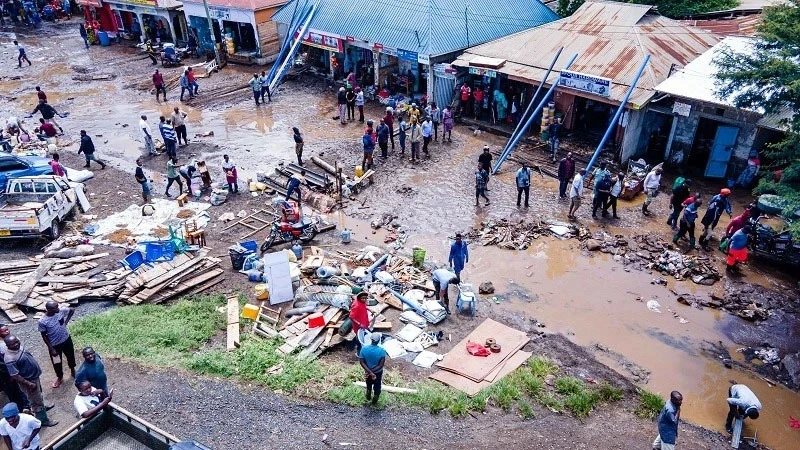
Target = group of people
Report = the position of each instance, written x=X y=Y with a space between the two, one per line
x=481 y=103
x=188 y=82
x=260 y=87
x=20 y=378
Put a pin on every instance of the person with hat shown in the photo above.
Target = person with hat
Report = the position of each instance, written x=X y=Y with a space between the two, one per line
x=442 y=279
x=359 y=316
x=20 y=431
x=372 y=358
x=24 y=368
x=718 y=204
x=459 y=254
x=341 y=100
x=742 y=403
x=485 y=161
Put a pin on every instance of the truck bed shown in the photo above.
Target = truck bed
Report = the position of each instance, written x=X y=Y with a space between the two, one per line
x=115 y=439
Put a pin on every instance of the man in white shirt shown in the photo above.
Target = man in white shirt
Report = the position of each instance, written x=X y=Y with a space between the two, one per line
x=576 y=193
x=89 y=400
x=19 y=431
x=743 y=403
x=651 y=184
x=147 y=134
x=616 y=190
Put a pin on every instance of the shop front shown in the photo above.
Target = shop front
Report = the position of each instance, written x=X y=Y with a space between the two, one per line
x=98 y=15
x=158 y=21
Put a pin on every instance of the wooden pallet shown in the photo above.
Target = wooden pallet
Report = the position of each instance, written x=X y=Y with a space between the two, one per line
x=267 y=321
x=254 y=222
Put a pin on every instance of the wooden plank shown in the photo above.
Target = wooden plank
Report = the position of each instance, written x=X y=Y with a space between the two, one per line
x=65 y=280
x=382 y=326
x=233 y=323
x=15 y=315
x=393 y=389
x=30 y=283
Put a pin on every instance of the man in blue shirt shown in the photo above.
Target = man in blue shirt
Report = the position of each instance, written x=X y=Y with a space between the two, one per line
x=369 y=147
x=459 y=254
x=293 y=185
x=523 y=183
x=372 y=358
x=687 y=223
x=668 y=423
x=718 y=204
x=170 y=138
x=92 y=370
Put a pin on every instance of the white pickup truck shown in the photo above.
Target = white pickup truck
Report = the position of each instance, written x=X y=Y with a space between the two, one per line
x=38 y=205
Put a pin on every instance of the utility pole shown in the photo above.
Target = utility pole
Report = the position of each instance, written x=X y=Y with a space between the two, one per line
x=213 y=36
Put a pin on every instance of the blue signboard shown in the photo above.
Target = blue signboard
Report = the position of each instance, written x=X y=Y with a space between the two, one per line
x=407 y=55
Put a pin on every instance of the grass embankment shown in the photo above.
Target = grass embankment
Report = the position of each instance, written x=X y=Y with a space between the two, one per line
x=181 y=336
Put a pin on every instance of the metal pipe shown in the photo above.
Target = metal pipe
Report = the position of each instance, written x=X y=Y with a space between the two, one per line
x=614 y=121
x=293 y=49
x=530 y=119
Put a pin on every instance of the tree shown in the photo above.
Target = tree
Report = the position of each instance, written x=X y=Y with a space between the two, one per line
x=769 y=77
x=567 y=7
x=675 y=9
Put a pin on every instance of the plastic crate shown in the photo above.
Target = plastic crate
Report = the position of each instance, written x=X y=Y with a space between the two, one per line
x=159 y=251
x=133 y=261
x=251 y=246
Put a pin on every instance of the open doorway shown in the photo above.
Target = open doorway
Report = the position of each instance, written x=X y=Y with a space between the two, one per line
x=591 y=117
x=701 y=147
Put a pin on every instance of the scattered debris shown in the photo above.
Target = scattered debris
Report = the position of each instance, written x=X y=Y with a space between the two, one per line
x=518 y=235
x=486 y=288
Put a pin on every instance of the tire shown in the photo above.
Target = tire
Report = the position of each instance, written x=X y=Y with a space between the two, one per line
x=309 y=236
x=55 y=230
x=268 y=242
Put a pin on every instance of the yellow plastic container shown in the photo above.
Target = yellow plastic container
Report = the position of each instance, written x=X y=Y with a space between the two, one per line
x=262 y=291
x=359 y=171
x=250 y=312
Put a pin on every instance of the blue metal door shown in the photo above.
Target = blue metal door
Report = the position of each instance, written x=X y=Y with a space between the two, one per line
x=721 y=151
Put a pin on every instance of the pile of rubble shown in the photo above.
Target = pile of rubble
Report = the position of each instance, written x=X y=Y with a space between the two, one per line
x=518 y=235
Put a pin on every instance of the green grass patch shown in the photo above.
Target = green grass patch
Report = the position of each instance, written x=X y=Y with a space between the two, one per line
x=541 y=366
x=607 y=393
x=649 y=406
x=525 y=409
x=581 y=403
x=551 y=402
x=569 y=386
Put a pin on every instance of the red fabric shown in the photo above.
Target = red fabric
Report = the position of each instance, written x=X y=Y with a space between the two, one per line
x=737 y=223
x=190 y=76
x=48 y=129
x=688 y=201
x=794 y=423
x=56 y=168
x=465 y=91
x=158 y=79
x=476 y=349
x=478 y=94
x=388 y=119
x=358 y=315
x=41 y=95
x=735 y=256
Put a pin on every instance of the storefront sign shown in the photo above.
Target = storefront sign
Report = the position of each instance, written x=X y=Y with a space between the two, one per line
x=350 y=38
x=407 y=55
x=219 y=13
x=323 y=41
x=480 y=71
x=681 y=109
x=587 y=83
x=424 y=59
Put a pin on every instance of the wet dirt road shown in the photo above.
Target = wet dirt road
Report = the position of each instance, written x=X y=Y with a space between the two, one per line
x=587 y=297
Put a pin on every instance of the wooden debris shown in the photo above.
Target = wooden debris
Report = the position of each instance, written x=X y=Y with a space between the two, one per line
x=233 y=323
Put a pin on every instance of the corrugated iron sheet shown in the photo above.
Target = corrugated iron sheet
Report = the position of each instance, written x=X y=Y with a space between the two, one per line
x=611 y=40
x=250 y=5
x=432 y=27
x=731 y=26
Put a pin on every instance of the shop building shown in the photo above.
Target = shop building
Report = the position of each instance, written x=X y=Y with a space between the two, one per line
x=157 y=20
x=710 y=136
x=98 y=15
x=401 y=47
x=611 y=40
x=244 y=28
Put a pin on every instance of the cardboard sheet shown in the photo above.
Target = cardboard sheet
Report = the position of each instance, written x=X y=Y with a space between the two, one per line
x=470 y=387
x=459 y=361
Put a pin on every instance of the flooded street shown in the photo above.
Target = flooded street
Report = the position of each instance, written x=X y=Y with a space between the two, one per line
x=588 y=297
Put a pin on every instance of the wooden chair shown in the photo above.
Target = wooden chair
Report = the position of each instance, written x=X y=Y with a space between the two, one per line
x=194 y=235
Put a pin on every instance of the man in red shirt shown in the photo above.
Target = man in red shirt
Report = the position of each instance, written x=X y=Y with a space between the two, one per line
x=40 y=93
x=158 y=82
x=478 y=95
x=466 y=95
x=56 y=166
x=47 y=129
x=192 y=82
x=359 y=316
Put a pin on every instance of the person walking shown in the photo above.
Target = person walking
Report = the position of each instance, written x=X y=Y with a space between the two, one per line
x=169 y=136
x=350 y=96
x=20 y=431
x=718 y=204
x=87 y=148
x=178 y=119
x=185 y=86
x=679 y=193
x=383 y=138
x=194 y=86
x=293 y=185
x=264 y=80
x=686 y=224
x=142 y=180
x=442 y=279
x=298 y=145
x=341 y=100
x=566 y=172
x=427 y=134
x=652 y=182
x=360 y=104
x=555 y=136
x=48 y=113
x=84 y=34
x=147 y=135
x=148 y=48
x=416 y=139
x=401 y=135
x=388 y=119
x=56 y=167
x=459 y=255
x=21 y=56
x=40 y=94
x=158 y=82
x=359 y=316
x=447 y=121
x=742 y=402
x=737 y=248
x=173 y=176
x=576 y=193
x=436 y=117
x=481 y=178
x=668 y=420
x=616 y=190
x=24 y=368
x=92 y=370
x=53 y=327
x=485 y=161
x=523 y=180
x=368 y=143
x=255 y=85
x=602 y=192
x=372 y=359
x=231 y=176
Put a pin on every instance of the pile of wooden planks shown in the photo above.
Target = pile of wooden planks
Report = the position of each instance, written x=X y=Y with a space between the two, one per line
x=184 y=275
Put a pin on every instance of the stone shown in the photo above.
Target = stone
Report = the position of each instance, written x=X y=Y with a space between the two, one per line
x=593 y=245
x=791 y=365
x=486 y=288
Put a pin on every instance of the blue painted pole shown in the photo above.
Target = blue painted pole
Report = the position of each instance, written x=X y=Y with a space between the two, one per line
x=530 y=119
x=296 y=20
x=621 y=108
x=530 y=104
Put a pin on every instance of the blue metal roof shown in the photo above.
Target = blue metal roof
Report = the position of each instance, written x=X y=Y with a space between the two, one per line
x=428 y=27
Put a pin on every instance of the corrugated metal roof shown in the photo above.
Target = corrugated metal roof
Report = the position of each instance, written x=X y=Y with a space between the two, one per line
x=432 y=27
x=611 y=40
x=729 y=26
x=249 y=5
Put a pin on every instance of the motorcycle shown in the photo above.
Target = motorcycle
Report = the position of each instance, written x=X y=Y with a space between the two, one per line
x=281 y=232
x=779 y=246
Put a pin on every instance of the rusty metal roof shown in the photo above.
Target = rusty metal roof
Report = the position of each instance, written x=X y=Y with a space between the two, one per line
x=728 y=26
x=611 y=40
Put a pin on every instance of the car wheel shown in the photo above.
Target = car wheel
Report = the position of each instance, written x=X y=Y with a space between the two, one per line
x=55 y=230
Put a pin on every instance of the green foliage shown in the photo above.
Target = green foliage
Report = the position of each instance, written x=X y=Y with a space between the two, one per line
x=569 y=385
x=581 y=403
x=541 y=366
x=649 y=406
x=525 y=409
x=607 y=393
x=551 y=402
x=675 y=9
x=567 y=7
x=505 y=393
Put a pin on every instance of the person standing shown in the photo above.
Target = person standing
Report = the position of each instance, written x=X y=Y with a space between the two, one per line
x=481 y=178
x=255 y=85
x=466 y=97
x=680 y=193
x=652 y=182
x=368 y=143
x=718 y=204
x=40 y=94
x=383 y=138
x=173 y=176
x=56 y=167
x=388 y=119
x=178 y=119
x=477 y=106
x=427 y=134
x=742 y=402
x=485 y=161
x=401 y=135
x=185 y=86
x=416 y=138
x=23 y=368
x=9 y=385
x=194 y=86
x=372 y=358
x=459 y=255
x=523 y=180
x=158 y=82
x=341 y=101
x=92 y=370
x=298 y=145
x=168 y=134
x=359 y=316
x=293 y=185
x=53 y=327
x=447 y=120
x=360 y=104
x=147 y=134
x=616 y=190
x=264 y=80
x=142 y=180
x=84 y=34
x=231 y=176
x=576 y=193
x=48 y=113
x=22 y=56
x=87 y=148
x=602 y=192
x=350 y=96
x=686 y=223
x=668 y=420
x=20 y=431
x=90 y=401
x=566 y=172
x=555 y=136
x=442 y=279
x=737 y=248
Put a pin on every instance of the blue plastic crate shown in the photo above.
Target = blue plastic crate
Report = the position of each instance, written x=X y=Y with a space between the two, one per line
x=251 y=246
x=159 y=251
x=134 y=260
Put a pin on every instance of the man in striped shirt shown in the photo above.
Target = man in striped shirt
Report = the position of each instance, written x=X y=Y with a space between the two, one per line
x=170 y=139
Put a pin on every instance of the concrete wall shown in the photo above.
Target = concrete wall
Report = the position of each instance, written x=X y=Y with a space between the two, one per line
x=633 y=134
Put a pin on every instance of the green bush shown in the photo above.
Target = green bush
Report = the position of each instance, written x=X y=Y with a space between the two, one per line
x=580 y=403
x=525 y=409
x=569 y=385
x=649 y=406
x=505 y=393
x=541 y=366
x=607 y=393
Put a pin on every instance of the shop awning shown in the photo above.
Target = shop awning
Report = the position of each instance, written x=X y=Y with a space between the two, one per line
x=95 y=3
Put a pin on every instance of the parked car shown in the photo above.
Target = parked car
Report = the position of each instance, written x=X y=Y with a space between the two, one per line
x=38 y=206
x=12 y=166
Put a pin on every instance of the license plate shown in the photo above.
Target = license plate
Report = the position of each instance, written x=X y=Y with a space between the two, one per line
x=5 y=232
